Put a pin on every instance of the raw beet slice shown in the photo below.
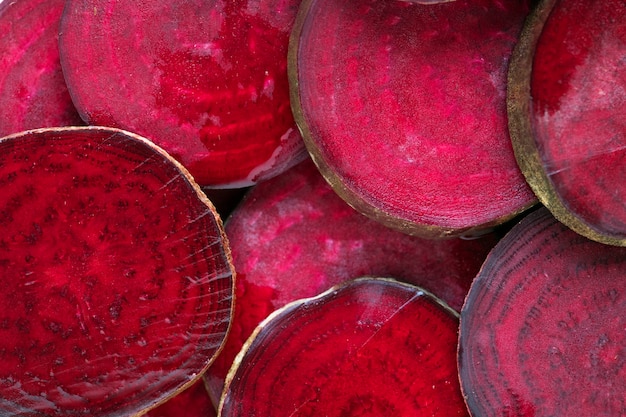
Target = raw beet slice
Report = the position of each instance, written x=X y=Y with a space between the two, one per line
x=567 y=105
x=542 y=330
x=32 y=89
x=193 y=402
x=205 y=80
x=116 y=287
x=292 y=237
x=403 y=108
x=371 y=347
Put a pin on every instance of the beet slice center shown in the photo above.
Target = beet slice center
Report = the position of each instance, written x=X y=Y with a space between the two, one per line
x=116 y=282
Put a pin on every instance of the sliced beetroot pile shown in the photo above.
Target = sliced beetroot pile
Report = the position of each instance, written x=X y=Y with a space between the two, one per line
x=207 y=81
x=292 y=237
x=32 y=89
x=543 y=328
x=368 y=348
x=568 y=113
x=193 y=402
x=403 y=108
x=116 y=287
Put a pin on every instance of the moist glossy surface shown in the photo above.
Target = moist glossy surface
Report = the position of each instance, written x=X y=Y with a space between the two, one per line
x=542 y=330
x=32 y=89
x=293 y=237
x=369 y=348
x=116 y=284
x=403 y=107
x=205 y=80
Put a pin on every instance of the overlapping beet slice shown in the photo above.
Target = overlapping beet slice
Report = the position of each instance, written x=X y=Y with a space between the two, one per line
x=542 y=330
x=371 y=347
x=205 y=80
x=116 y=287
x=292 y=237
x=403 y=108
x=32 y=89
x=567 y=105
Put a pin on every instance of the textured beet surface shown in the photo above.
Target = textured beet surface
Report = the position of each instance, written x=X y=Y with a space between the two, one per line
x=293 y=237
x=116 y=285
x=32 y=89
x=403 y=106
x=193 y=402
x=578 y=91
x=205 y=80
x=370 y=348
x=542 y=330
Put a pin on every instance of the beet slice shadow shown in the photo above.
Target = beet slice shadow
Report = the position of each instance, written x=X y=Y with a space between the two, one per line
x=207 y=81
x=567 y=110
x=402 y=106
x=116 y=288
x=542 y=329
x=371 y=347
x=192 y=402
x=292 y=237
x=33 y=93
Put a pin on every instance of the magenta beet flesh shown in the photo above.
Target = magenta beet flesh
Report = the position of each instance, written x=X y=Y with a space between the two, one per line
x=32 y=89
x=579 y=110
x=403 y=107
x=116 y=282
x=293 y=237
x=542 y=330
x=207 y=81
x=193 y=402
x=368 y=348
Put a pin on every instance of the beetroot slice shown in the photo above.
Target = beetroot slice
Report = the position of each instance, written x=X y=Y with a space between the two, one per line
x=116 y=285
x=568 y=112
x=32 y=89
x=403 y=108
x=207 y=81
x=193 y=402
x=542 y=330
x=292 y=237
x=371 y=347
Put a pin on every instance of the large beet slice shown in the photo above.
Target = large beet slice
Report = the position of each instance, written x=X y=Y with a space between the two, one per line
x=567 y=105
x=371 y=347
x=292 y=237
x=543 y=327
x=116 y=285
x=403 y=108
x=32 y=89
x=207 y=81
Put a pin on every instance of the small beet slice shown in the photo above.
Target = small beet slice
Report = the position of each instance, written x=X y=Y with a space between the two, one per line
x=403 y=108
x=567 y=106
x=116 y=285
x=207 y=81
x=371 y=347
x=542 y=330
x=192 y=402
x=33 y=93
x=292 y=237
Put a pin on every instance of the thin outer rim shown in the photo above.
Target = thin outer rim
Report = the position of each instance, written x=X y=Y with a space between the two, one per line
x=348 y=194
x=287 y=308
x=201 y=196
x=520 y=128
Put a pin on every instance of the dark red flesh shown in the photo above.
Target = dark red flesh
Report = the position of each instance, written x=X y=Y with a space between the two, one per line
x=405 y=104
x=578 y=94
x=369 y=348
x=207 y=81
x=32 y=89
x=193 y=402
x=293 y=237
x=116 y=284
x=542 y=330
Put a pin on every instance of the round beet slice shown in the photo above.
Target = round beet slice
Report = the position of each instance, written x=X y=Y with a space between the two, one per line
x=292 y=237
x=403 y=108
x=567 y=105
x=206 y=80
x=370 y=347
x=32 y=89
x=116 y=287
x=543 y=327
